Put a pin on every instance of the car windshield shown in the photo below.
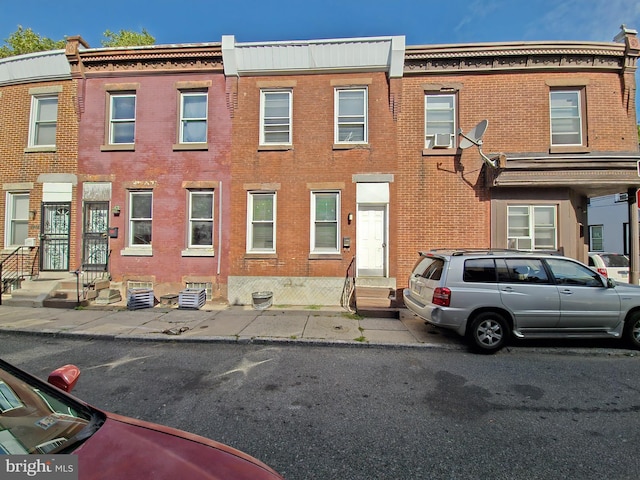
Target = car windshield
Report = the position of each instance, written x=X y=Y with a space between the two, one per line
x=34 y=419
x=615 y=260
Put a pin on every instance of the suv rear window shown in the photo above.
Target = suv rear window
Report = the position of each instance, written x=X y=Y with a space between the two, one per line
x=429 y=267
x=479 y=270
x=614 y=260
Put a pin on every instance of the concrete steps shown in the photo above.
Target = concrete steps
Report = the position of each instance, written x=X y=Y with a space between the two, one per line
x=376 y=301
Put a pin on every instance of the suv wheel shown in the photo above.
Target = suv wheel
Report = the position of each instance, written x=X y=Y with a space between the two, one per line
x=632 y=331
x=489 y=332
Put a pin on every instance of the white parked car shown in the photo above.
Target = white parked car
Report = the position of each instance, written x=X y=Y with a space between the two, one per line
x=610 y=265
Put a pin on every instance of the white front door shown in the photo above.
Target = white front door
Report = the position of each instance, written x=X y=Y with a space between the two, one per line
x=371 y=243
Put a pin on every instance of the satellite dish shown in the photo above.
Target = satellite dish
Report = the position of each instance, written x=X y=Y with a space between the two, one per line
x=474 y=137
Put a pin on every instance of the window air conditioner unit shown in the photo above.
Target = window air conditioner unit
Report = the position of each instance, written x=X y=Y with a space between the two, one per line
x=622 y=197
x=30 y=242
x=442 y=140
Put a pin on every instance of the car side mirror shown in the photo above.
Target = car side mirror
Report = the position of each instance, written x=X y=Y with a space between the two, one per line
x=65 y=378
x=611 y=283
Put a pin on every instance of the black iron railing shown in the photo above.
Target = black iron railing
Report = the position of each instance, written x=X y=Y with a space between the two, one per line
x=16 y=266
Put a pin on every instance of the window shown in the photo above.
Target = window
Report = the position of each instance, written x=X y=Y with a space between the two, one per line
x=479 y=270
x=261 y=228
x=193 y=117
x=596 y=238
x=17 y=220
x=140 y=208
x=275 y=117
x=201 y=219
x=523 y=270
x=325 y=209
x=122 y=119
x=531 y=227
x=8 y=399
x=440 y=121
x=566 y=117
x=351 y=115
x=44 y=118
x=567 y=272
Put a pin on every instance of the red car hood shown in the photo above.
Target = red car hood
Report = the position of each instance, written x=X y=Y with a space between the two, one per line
x=124 y=448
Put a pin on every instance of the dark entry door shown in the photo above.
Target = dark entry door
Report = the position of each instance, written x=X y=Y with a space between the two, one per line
x=95 y=250
x=54 y=236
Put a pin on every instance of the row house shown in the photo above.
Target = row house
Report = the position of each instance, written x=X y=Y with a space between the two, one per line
x=313 y=167
x=38 y=166
x=299 y=169
x=154 y=165
x=502 y=144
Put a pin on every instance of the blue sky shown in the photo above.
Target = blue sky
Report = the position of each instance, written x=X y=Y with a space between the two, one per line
x=421 y=21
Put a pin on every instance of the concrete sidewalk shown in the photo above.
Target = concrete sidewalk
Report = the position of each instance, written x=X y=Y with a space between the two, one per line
x=222 y=323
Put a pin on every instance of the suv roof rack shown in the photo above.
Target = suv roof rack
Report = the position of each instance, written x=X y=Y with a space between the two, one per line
x=490 y=251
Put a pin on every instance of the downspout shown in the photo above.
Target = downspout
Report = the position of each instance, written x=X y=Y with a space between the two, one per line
x=219 y=227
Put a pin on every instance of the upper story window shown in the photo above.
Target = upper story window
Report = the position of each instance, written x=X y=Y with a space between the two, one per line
x=531 y=227
x=193 y=117
x=275 y=117
x=325 y=209
x=440 y=120
x=122 y=118
x=44 y=119
x=351 y=115
x=17 y=218
x=261 y=222
x=140 y=218
x=201 y=219
x=567 y=124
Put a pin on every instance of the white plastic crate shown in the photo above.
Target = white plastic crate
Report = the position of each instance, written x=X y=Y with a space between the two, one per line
x=140 y=298
x=192 y=298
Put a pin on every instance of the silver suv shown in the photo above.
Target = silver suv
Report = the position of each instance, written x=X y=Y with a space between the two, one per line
x=488 y=295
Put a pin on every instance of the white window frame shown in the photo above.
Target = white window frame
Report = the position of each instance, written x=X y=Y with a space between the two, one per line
x=36 y=122
x=437 y=139
x=279 y=125
x=527 y=239
x=315 y=222
x=115 y=121
x=355 y=120
x=564 y=114
x=192 y=219
x=251 y=222
x=184 y=119
x=11 y=220
x=133 y=220
x=592 y=245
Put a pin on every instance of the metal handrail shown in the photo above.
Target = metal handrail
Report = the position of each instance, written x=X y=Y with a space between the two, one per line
x=349 y=287
x=12 y=268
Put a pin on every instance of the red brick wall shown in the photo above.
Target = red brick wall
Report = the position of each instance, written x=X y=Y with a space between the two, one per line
x=155 y=163
x=312 y=160
x=18 y=166
x=443 y=197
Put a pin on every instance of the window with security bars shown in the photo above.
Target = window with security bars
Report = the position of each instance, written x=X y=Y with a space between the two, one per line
x=325 y=208
x=261 y=224
x=207 y=286
x=351 y=115
x=275 y=117
x=532 y=227
x=44 y=121
x=596 y=238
